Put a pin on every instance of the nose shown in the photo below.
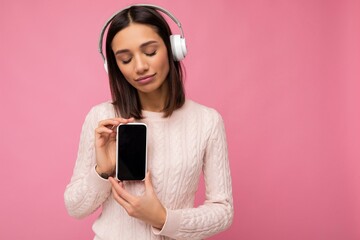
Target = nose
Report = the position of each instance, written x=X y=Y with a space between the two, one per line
x=141 y=65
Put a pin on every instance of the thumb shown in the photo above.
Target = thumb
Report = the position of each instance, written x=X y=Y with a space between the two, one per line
x=148 y=182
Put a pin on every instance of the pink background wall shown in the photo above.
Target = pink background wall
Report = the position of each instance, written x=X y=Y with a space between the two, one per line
x=284 y=75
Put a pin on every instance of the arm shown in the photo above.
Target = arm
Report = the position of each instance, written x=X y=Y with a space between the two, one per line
x=86 y=190
x=216 y=214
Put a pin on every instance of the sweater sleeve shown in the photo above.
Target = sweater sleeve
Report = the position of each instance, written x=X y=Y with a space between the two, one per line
x=86 y=190
x=216 y=214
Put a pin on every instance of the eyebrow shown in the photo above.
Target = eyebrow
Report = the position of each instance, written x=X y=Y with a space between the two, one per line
x=141 y=46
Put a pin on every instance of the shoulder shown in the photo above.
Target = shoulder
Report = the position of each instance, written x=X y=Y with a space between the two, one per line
x=103 y=107
x=202 y=120
x=197 y=109
x=201 y=117
x=101 y=111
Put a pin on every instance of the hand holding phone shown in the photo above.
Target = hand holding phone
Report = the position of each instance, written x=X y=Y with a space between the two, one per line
x=105 y=145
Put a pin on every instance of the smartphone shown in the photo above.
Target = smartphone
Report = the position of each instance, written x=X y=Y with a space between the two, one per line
x=131 y=151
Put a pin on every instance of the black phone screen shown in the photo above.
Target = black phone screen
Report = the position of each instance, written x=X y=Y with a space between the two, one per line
x=131 y=152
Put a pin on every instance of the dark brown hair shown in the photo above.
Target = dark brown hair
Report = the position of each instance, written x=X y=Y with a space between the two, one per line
x=125 y=97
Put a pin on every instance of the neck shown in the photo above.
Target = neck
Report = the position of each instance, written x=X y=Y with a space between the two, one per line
x=154 y=101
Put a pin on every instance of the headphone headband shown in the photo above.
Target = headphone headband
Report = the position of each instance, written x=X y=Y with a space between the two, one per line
x=140 y=5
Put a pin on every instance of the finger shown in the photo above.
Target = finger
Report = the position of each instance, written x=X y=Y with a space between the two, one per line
x=113 y=181
x=113 y=135
x=120 y=190
x=124 y=120
x=114 y=122
x=148 y=182
x=101 y=130
x=120 y=200
x=109 y=122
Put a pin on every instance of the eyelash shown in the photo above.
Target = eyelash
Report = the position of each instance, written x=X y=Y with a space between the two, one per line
x=126 y=62
x=147 y=54
x=151 y=54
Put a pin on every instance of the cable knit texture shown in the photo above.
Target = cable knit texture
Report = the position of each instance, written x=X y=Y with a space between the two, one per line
x=180 y=147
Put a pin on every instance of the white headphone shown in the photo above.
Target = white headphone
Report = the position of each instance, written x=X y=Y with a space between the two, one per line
x=178 y=45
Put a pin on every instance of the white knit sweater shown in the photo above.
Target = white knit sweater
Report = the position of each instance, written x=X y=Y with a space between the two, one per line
x=180 y=147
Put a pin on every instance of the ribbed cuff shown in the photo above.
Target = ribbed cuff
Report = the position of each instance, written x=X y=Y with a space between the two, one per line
x=97 y=182
x=172 y=224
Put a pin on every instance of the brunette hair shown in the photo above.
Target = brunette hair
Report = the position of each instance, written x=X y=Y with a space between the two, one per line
x=125 y=97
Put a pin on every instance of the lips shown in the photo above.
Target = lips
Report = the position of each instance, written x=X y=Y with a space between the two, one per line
x=145 y=79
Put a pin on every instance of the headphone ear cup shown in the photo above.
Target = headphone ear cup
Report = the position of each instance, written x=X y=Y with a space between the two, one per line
x=178 y=47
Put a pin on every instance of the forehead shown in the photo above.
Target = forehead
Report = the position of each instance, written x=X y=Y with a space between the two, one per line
x=134 y=35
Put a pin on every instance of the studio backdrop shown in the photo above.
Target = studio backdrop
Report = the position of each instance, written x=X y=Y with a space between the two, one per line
x=283 y=74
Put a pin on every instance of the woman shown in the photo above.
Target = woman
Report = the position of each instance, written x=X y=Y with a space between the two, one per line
x=184 y=139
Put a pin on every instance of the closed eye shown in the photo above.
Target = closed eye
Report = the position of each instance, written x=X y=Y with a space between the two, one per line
x=151 y=54
x=126 y=61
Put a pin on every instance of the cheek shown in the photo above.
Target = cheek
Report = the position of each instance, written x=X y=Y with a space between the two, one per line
x=163 y=63
x=125 y=71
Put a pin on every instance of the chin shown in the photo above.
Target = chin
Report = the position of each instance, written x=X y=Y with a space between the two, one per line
x=150 y=88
